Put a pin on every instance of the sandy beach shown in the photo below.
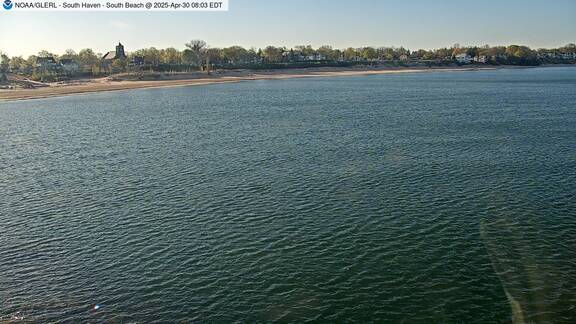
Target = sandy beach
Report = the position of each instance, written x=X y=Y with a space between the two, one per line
x=128 y=82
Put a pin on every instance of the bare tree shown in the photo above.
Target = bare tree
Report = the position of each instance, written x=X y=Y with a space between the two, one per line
x=198 y=50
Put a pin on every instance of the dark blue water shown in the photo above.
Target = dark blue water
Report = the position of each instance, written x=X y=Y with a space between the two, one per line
x=422 y=198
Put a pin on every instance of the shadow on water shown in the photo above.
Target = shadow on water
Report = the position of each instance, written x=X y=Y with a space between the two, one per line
x=523 y=262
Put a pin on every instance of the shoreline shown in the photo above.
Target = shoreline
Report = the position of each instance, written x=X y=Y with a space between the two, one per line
x=109 y=84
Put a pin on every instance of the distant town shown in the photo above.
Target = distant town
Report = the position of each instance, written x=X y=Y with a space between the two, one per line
x=197 y=56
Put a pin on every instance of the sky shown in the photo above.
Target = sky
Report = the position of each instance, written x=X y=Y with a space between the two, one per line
x=257 y=23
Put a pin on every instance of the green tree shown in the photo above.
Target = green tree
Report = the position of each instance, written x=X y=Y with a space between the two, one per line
x=45 y=53
x=253 y=55
x=17 y=63
x=151 y=55
x=328 y=52
x=351 y=54
x=306 y=50
x=273 y=54
x=171 y=56
x=31 y=61
x=4 y=62
x=428 y=55
x=188 y=56
x=70 y=54
x=87 y=57
x=521 y=55
x=385 y=53
x=235 y=54
x=444 y=53
x=398 y=52
x=119 y=65
x=369 y=53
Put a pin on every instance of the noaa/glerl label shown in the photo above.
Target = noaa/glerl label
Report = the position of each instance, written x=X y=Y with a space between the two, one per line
x=106 y=5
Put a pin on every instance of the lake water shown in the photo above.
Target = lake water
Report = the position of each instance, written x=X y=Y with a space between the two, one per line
x=446 y=197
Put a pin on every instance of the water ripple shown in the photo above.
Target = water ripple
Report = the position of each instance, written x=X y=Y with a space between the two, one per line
x=418 y=198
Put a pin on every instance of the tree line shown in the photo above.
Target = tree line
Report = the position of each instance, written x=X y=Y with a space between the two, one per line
x=198 y=54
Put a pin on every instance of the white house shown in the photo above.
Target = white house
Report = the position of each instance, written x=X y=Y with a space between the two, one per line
x=315 y=57
x=463 y=58
x=481 y=59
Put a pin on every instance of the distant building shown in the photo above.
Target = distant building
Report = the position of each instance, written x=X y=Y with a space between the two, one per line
x=291 y=56
x=46 y=63
x=551 y=55
x=315 y=57
x=481 y=59
x=403 y=57
x=137 y=60
x=118 y=54
x=463 y=58
x=69 y=65
x=415 y=56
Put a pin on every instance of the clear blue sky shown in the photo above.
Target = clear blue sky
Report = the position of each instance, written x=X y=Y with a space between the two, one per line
x=413 y=24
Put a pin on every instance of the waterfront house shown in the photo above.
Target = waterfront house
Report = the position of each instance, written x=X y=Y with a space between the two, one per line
x=69 y=65
x=137 y=61
x=463 y=58
x=481 y=59
x=292 y=56
x=46 y=63
x=118 y=54
x=315 y=57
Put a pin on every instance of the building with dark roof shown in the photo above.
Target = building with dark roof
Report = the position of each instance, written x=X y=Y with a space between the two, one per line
x=46 y=61
x=118 y=54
